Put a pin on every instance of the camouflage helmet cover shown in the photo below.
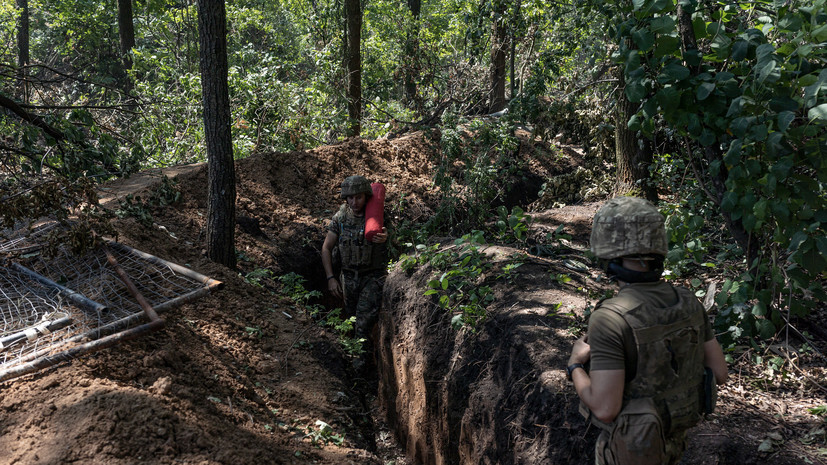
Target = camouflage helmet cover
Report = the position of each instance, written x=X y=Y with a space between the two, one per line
x=628 y=226
x=353 y=185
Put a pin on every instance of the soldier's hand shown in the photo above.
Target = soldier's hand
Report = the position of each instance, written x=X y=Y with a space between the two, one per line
x=581 y=352
x=381 y=237
x=334 y=288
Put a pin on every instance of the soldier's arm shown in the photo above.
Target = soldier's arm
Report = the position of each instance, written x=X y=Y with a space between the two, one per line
x=327 y=262
x=600 y=390
x=714 y=359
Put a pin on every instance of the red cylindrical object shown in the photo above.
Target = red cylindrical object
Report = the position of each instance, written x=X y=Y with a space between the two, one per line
x=375 y=211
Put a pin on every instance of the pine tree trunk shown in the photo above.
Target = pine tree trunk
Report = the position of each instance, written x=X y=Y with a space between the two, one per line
x=212 y=27
x=498 y=44
x=126 y=30
x=353 y=11
x=411 y=58
x=633 y=154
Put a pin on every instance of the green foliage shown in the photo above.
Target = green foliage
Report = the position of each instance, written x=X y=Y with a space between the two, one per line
x=750 y=102
x=324 y=434
x=512 y=227
x=458 y=284
x=476 y=161
x=257 y=276
x=292 y=286
x=344 y=329
x=166 y=193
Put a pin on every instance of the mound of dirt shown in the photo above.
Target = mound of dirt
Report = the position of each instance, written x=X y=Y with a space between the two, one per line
x=246 y=376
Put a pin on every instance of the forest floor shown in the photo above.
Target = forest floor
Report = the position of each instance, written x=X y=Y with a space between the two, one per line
x=246 y=376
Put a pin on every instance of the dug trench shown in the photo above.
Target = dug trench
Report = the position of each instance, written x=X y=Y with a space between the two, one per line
x=247 y=375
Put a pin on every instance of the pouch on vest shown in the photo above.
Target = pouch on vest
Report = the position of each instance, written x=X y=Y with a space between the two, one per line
x=636 y=436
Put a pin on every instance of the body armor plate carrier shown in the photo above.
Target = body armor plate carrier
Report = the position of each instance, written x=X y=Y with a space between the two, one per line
x=670 y=368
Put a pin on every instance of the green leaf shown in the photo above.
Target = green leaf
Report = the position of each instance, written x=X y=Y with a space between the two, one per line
x=785 y=118
x=818 y=114
x=740 y=125
x=739 y=50
x=820 y=34
x=759 y=309
x=796 y=241
x=764 y=53
x=766 y=329
x=764 y=70
x=790 y=22
x=735 y=107
x=644 y=39
x=703 y=90
x=663 y=25
x=729 y=201
x=673 y=72
x=760 y=209
x=635 y=91
x=779 y=104
x=668 y=98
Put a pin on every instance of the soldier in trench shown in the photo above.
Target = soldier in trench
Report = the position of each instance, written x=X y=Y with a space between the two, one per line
x=647 y=368
x=364 y=263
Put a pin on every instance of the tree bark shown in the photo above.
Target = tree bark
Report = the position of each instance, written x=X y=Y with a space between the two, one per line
x=30 y=118
x=23 y=48
x=633 y=155
x=513 y=55
x=126 y=30
x=212 y=32
x=353 y=12
x=498 y=44
x=411 y=58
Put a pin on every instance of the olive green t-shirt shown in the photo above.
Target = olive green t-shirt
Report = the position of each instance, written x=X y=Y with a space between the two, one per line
x=611 y=339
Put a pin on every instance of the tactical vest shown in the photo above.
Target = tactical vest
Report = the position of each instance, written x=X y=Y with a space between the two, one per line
x=670 y=368
x=357 y=254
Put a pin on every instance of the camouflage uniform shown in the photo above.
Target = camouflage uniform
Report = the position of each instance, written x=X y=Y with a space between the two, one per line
x=364 y=268
x=652 y=330
x=655 y=332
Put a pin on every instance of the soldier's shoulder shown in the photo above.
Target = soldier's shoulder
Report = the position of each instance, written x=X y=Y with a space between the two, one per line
x=341 y=215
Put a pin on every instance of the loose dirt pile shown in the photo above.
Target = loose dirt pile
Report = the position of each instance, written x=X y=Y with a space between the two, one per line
x=245 y=376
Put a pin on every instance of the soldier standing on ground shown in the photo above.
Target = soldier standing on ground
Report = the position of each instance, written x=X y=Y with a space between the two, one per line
x=364 y=263
x=653 y=357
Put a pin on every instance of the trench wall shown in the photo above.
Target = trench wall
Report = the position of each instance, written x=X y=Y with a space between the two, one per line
x=476 y=397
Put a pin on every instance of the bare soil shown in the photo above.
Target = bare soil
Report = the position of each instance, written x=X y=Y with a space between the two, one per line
x=244 y=375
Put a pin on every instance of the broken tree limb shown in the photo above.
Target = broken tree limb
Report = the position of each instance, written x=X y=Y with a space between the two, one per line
x=30 y=118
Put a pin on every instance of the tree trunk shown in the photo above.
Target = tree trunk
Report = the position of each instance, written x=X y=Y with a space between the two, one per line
x=513 y=55
x=498 y=44
x=212 y=32
x=411 y=58
x=633 y=154
x=126 y=30
x=23 y=48
x=353 y=12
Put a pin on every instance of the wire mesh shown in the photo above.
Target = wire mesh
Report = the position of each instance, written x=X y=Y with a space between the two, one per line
x=53 y=303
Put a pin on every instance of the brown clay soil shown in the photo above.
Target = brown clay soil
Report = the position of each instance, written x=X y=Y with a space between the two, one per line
x=243 y=376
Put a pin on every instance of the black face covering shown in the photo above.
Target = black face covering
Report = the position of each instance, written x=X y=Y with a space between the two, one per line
x=616 y=271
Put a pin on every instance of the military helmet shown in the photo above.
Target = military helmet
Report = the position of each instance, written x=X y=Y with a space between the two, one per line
x=353 y=185
x=628 y=226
